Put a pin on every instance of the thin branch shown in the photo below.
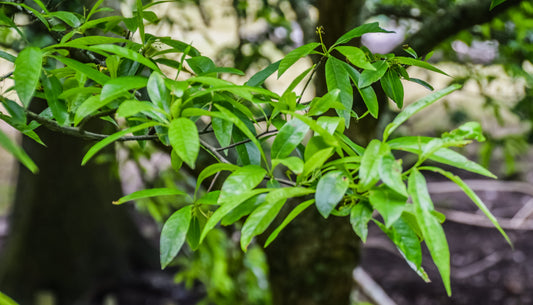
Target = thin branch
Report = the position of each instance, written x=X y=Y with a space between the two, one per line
x=6 y=76
x=213 y=150
x=79 y=133
x=266 y=133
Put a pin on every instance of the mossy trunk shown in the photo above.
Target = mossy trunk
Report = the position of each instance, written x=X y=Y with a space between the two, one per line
x=66 y=238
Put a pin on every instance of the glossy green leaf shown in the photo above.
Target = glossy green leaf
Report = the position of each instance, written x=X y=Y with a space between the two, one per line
x=368 y=77
x=67 y=17
x=369 y=170
x=473 y=196
x=18 y=152
x=495 y=3
x=331 y=124
x=148 y=193
x=388 y=203
x=367 y=93
x=175 y=161
x=27 y=73
x=360 y=215
x=338 y=78
x=126 y=53
x=89 y=106
x=118 y=86
x=247 y=153
x=359 y=31
x=227 y=206
x=240 y=181
x=132 y=107
x=288 y=137
x=293 y=56
x=112 y=138
x=7 y=56
x=356 y=148
x=263 y=216
x=223 y=130
x=430 y=227
x=322 y=104
x=419 y=63
x=408 y=243
x=260 y=77
x=295 y=164
x=415 y=107
x=201 y=64
x=184 y=138
x=85 y=69
x=194 y=232
x=390 y=172
x=173 y=234
x=316 y=161
x=392 y=86
x=245 y=208
x=447 y=156
x=355 y=56
x=158 y=92
x=211 y=170
x=52 y=89
x=5 y=300
x=330 y=191
x=295 y=212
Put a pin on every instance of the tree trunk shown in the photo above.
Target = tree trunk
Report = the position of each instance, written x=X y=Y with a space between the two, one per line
x=312 y=260
x=66 y=238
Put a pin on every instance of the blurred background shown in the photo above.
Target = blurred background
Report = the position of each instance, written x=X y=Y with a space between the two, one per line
x=62 y=242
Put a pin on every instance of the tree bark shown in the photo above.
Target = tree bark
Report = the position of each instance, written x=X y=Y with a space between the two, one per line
x=66 y=238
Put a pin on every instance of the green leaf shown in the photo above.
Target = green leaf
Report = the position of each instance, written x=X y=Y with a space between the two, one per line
x=227 y=207
x=147 y=193
x=140 y=20
x=158 y=92
x=331 y=124
x=316 y=160
x=470 y=193
x=419 y=63
x=52 y=89
x=322 y=104
x=408 y=243
x=359 y=31
x=367 y=93
x=388 y=203
x=330 y=191
x=390 y=172
x=288 y=137
x=91 y=73
x=201 y=65
x=18 y=152
x=27 y=73
x=194 y=232
x=211 y=170
x=241 y=181
x=112 y=138
x=356 y=56
x=360 y=215
x=495 y=3
x=245 y=208
x=368 y=77
x=415 y=107
x=392 y=86
x=259 y=78
x=132 y=107
x=447 y=156
x=430 y=227
x=7 y=56
x=90 y=105
x=294 y=55
x=263 y=216
x=116 y=87
x=295 y=212
x=295 y=164
x=5 y=300
x=184 y=138
x=173 y=234
x=223 y=130
x=126 y=53
x=369 y=170
x=338 y=78
x=67 y=17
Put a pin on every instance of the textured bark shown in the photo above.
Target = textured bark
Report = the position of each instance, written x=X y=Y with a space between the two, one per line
x=66 y=238
x=312 y=260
